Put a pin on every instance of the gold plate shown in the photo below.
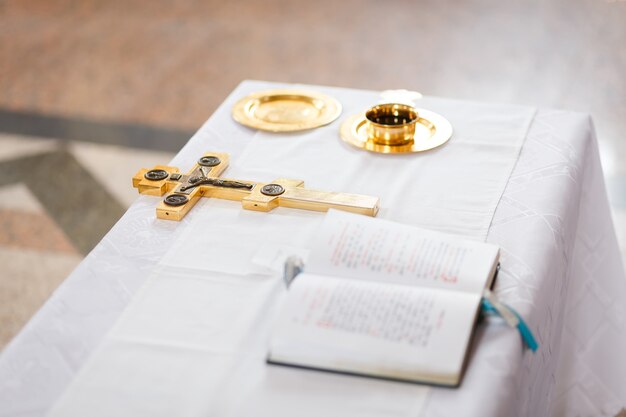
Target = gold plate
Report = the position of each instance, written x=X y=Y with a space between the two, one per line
x=432 y=130
x=286 y=110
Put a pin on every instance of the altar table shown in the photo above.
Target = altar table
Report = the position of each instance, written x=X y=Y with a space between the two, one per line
x=561 y=269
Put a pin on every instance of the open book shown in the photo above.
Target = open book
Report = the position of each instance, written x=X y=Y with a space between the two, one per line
x=382 y=299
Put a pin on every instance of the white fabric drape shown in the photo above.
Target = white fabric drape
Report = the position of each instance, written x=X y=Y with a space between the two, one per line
x=561 y=270
x=218 y=286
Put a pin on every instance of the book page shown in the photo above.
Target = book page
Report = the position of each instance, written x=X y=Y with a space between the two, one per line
x=388 y=330
x=366 y=248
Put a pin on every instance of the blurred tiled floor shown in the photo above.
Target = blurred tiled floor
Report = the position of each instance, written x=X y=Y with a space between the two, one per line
x=57 y=200
x=92 y=90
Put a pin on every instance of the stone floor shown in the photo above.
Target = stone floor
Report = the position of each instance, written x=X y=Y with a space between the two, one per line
x=91 y=90
x=57 y=200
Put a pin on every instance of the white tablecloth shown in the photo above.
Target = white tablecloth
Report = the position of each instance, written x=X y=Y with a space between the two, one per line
x=562 y=271
x=188 y=323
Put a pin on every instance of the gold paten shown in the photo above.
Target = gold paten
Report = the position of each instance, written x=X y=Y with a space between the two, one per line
x=286 y=110
x=253 y=195
x=431 y=130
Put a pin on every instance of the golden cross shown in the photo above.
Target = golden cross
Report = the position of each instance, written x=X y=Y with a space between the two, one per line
x=184 y=191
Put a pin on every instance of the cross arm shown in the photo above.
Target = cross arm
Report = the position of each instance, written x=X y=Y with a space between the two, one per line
x=291 y=193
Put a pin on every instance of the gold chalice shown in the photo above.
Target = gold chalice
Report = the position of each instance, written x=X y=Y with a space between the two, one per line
x=391 y=124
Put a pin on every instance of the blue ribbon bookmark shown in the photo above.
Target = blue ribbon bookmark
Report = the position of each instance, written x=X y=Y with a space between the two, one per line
x=491 y=305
